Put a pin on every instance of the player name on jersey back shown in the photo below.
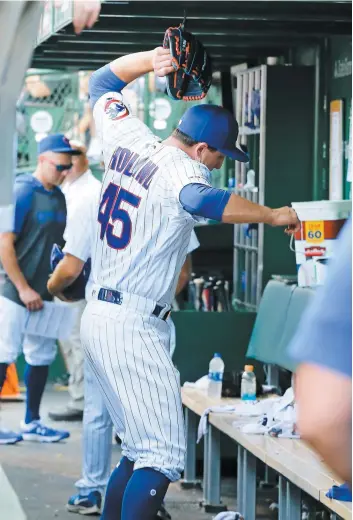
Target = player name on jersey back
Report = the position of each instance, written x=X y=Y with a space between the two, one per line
x=124 y=161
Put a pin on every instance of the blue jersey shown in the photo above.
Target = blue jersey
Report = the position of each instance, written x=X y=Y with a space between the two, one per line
x=40 y=219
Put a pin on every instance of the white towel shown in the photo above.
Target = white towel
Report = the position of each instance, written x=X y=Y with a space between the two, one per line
x=202 y=429
x=200 y=384
x=253 y=428
x=243 y=409
x=256 y=408
x=278 y=420
x=229 y=515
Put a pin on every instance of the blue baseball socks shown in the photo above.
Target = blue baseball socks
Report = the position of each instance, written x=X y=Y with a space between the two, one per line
x=35 y=379
x=144 y=494
x=134 y=495
x=116 y=489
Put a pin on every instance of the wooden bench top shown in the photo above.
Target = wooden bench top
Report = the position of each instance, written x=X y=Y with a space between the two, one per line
x=292 y=458
x=343 y=509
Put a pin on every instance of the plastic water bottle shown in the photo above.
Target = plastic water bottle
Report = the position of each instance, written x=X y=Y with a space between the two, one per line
x=248 y=384
x=215 y=377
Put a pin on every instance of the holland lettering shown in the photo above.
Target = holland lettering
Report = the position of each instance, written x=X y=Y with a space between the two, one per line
x=123 y=161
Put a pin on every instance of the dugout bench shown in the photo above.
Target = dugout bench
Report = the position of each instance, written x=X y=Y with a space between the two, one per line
x=299 y=468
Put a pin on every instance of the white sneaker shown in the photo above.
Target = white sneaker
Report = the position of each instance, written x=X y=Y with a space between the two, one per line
x=38 y=432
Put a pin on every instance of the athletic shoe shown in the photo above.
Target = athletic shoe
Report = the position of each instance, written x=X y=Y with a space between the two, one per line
x=9 y=437
x=62 y=382
x=89 y=505
x=163 y=513
x=36 y=431
x=66 y=414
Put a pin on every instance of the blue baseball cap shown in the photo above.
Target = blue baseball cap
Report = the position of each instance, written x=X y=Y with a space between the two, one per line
x=57 y=143
x=215 y=126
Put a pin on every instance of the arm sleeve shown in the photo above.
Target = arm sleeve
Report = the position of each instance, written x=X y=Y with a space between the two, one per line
x=23 y=203
x=78 y=233
x=204 y=201
x=324 y=336
x=115 y=124
x=103 y=81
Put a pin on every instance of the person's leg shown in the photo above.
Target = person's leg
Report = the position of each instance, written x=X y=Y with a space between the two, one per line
x=117 y=485
x=97 y=359
x=131 y=353
x=144 y=494
x=73 y=353
x=10 y=347
x=163 y=447
x=35 y=380
x=39 y=353
x=10 y=337
x=97 y=449
x=76 y=383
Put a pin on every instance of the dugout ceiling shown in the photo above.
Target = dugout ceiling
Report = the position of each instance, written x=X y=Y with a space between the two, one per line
x=232 y=31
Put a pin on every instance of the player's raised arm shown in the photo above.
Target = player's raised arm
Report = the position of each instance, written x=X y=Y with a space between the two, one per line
x=117 y=74
x=132 y=66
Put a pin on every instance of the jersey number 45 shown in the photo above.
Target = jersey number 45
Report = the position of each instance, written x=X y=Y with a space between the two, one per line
x=110 y=211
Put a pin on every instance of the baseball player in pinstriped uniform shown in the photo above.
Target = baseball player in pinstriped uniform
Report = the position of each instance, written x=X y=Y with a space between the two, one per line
x=153 y=192
x=97 y=424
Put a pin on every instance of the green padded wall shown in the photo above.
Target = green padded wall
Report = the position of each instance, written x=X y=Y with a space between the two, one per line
x=200 y=334
x=289 y=156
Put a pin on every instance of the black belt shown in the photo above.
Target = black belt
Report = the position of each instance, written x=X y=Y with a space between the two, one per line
x=111 y=296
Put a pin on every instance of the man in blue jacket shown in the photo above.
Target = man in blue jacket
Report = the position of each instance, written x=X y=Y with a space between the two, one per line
x=40 y=219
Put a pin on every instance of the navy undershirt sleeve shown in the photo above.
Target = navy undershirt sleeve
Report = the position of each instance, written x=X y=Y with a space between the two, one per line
x=204 y=201
x=102 y=81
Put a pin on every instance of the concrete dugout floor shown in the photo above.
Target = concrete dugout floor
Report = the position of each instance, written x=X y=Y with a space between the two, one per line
x=43 y=475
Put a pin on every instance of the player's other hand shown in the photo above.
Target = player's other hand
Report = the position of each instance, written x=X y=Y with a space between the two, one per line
x=86 y=14
x=286 y=217
x=31 y=299
x=162 y=62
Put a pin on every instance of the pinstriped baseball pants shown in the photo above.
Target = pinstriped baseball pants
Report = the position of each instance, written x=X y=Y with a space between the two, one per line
x=128 y=352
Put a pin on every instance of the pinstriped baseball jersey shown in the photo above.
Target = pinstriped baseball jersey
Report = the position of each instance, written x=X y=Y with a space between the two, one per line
x=142 y=231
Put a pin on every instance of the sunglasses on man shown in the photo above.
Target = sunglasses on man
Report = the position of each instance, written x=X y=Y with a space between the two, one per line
x=59 y=167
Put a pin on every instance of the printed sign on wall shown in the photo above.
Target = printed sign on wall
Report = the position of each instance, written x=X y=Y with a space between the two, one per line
x=336 y=150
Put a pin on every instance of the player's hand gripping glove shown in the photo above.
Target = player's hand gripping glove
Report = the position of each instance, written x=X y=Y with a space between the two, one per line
x=76 y=291
x=192 y=77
